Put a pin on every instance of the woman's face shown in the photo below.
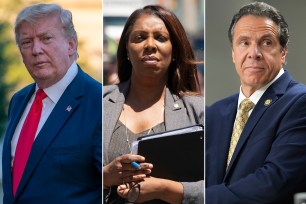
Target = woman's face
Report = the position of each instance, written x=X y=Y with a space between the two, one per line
x=149 y=48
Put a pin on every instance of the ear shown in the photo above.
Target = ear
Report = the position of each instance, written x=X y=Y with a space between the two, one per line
x=127 y=54
x=283 y=54
x=72 y=46
x=233 y=56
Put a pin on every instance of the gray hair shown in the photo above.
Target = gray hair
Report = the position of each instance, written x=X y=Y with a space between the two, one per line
x=262 y=9
x=35 y=12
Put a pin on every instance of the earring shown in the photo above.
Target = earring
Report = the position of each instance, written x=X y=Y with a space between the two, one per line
x=128 y=58
x=173 y=59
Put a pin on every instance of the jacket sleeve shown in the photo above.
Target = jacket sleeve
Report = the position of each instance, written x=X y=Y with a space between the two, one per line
x=193 y=192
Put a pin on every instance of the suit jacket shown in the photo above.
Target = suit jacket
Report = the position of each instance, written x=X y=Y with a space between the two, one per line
x=269 y=162
x=65 y=163
x=179 y=112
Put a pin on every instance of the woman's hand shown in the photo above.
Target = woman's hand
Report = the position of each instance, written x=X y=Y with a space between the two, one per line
x=120 y=170
x=152 y=188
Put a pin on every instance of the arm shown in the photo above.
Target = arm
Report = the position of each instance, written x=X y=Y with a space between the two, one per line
x=155 y=188
x=193 y=192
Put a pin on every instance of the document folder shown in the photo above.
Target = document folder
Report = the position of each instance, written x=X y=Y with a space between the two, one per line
x=176 y=155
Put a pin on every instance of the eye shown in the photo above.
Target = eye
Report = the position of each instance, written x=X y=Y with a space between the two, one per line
x=161 y=38
x=267 y=42
x=243 y=43
x=47 y=39
x=138 y=38
x=25 y=43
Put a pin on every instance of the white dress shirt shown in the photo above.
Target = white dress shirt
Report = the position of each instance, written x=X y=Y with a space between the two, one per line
x=54 y=93
x=258 y=93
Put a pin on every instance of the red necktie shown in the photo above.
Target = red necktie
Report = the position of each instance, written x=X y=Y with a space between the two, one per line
x=26 y=138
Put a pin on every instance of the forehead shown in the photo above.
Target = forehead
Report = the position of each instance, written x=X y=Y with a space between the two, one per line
x=40 y=25
x=147 y=22
x=255 y=24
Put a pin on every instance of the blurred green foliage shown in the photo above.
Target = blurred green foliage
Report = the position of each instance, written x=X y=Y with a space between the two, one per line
x=5 y=60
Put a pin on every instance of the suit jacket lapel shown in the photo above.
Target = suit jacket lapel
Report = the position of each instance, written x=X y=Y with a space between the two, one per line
x=276 y=90
x=111 y=114
x=52 y=126
x=224 y=137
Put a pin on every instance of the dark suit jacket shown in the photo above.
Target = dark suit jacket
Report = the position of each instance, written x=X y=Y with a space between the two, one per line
x=65 y=162
x=269 y=162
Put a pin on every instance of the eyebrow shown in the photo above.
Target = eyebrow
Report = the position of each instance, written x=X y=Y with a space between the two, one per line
x=268 y=35
x=43 y=33
x=145 y=32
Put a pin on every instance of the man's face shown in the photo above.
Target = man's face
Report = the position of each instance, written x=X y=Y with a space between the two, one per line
x=46 y=51
x=256 y=52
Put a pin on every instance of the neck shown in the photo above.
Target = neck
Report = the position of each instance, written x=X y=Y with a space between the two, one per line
x=142 y=96
x=248 y=91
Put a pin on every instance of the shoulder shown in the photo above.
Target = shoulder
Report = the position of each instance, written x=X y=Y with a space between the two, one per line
x=108 y=89
x=296 y=88
x=82 y=79
x=225 y=101
x=295 y=95
x=24 y=92
x=116 y=90
x=92 y=82
x=193 y=101
x=87 y=84
x=195 y=107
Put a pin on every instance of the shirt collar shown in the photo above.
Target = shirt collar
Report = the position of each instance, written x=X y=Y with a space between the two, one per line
x=55 y=91
x=258 y=93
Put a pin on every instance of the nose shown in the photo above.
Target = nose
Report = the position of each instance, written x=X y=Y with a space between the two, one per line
x=37 y=48
x=150 y=44
x=255 y=52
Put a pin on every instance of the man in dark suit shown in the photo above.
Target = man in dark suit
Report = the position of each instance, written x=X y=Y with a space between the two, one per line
x=257 y=155
x=57 y=159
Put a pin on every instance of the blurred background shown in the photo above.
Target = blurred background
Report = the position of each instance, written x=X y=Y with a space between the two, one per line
x=218 y=60
x=116 y=12
x=87 y=18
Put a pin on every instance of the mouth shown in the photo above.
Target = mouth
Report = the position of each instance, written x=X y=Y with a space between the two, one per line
x=40 y=64
x=254 y=68
x=149 y=59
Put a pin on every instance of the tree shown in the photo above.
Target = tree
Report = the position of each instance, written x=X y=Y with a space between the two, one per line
x=5 y=61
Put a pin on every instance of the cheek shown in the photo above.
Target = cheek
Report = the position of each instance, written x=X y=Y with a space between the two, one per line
x=166 y=51
x=26 y=59
x=133 y=52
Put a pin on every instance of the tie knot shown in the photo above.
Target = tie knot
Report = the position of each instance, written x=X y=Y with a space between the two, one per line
x=246 y=105
x=40 y=95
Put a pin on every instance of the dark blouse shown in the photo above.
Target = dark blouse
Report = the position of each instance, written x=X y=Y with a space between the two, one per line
x=118 y=143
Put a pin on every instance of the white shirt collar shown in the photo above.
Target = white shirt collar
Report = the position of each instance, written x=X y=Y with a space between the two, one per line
x=258 y=93
x=55 y=91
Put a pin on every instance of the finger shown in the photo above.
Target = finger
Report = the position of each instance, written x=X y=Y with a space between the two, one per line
x=133 y=178
x=128 y=158
x=123 y=190
x=146 y=165
x=136 y=173
x=130 y=166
